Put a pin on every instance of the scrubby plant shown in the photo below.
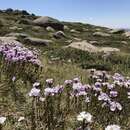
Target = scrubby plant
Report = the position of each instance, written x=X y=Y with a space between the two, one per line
x=1 y=24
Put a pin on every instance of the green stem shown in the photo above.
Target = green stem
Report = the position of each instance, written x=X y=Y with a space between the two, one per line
x=33 y=126
x=83 y=125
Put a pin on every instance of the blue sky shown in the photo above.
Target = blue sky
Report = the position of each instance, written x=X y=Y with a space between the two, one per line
x=111 y=13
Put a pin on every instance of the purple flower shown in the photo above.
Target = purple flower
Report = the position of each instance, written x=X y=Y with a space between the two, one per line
x=58 y=89
x=98 y=84
x=49 y=92
x=115 y=106
x=77 y=86
x=53 y=91
x=127 y=84
x=118 y=77
x=103 y=97
x=34 y=92
x=97 y=89
x=113 y=93
x=14 y=53
x=110 y=86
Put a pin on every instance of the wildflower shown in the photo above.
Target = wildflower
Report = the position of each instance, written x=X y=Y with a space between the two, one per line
x=35 y=92
x=42 y=99
x=92 y=71
x=58 y=89
x=85 y=116
x=119 y=83
x=105 y=84
x=99 y=80
x=103 y=97
x=36 y=84
x=110 y=86
x=17 y=52
x=52 y=91
x=81 y=93
x=94 y=77
x=104 y=104
x=68 y=82
x=128 y=93
x=118 y=77
x=21 y=118
x=119 y=106
x=49 y=92
x=76 y=80
x=14 y=78
x=112 y=127
x=115 y=105
x=98 y=84
x=2 y=120
x=77 y=86
x=127 y=84
x=49 y=81
x=113 y=93
x=97 y=89
x=87 y=99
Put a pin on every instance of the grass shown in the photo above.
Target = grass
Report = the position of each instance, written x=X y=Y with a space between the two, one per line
x=60 y=63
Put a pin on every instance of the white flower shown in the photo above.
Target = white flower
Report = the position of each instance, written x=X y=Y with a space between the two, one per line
x=14 y=78
x=68 y=81
x=76 y=79
x=42 y=99
x=50 y=81
x=2 y=119
x=82 y=93
x=84 y=116
x=87 y=100
x=49 y=91
x=104 y=104
x=103 y=97
x=34 y=92
x=36 y=84
x=77 y=86
x=21 y=118
x=128 y=93
x=112 y=127
x=119 y=106
x=115 y=105
x=99 y=80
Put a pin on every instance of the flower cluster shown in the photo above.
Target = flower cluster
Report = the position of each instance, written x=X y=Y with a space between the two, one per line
x=2 y=120
x=78 y=88
x=85 y=116
x=53 y=91
x=19 y=53
x=35 y=91
x=112 y=127
x=105 y=92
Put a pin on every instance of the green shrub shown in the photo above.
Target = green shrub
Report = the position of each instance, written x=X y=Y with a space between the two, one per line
x=1 y=24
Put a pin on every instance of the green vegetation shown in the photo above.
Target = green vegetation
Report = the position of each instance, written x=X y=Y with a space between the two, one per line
x=60 y=62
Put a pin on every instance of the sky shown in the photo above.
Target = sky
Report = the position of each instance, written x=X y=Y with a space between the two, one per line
x=109 y=13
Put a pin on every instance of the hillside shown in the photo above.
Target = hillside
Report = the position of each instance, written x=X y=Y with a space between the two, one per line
x=66 y=50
